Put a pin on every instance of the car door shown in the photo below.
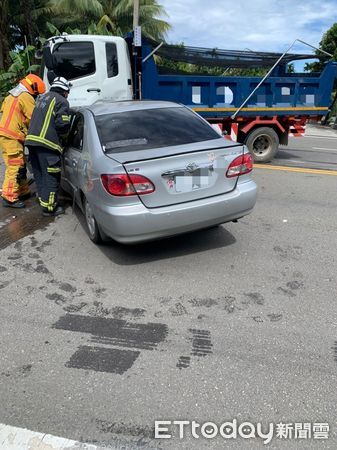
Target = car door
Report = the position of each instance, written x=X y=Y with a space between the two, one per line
x=73 y=153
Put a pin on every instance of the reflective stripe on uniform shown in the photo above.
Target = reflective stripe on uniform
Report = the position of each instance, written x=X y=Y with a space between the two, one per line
x=5 y=129
x=11 y=134
x=11 y=112
x=51 y=201
x=32 y=137
x=16 y=162
x=47 y=119
x=53 y=169
x=65 y=118
x=50 y=205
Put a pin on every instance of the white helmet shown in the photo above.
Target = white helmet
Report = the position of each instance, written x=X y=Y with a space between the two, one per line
x=61 y=83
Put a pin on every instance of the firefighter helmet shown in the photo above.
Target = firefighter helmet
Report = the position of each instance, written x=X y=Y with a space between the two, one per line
x=61 y=83
x=34 y=84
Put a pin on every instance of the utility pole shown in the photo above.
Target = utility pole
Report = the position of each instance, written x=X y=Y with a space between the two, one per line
x=137 y=52
x=135 y=13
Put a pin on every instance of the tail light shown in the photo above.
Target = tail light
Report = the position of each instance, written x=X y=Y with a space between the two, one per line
x=124 y=184
x=241 y=165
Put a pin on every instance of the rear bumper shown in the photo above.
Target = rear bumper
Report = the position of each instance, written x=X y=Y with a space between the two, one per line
x=136 y=223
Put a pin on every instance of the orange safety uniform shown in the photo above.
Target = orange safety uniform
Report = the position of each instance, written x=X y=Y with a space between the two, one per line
x=16 y=114
x=17 y=110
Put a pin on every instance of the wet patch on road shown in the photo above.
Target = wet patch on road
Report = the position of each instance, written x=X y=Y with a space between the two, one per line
x=57 y=298
x=334 y=348
x=115 y=331
x=201 y=346
x=117 y=312
x=102 y=359
x=256 y=297
x=125 y=429
x=183 y=362
x=89 y=280
x=201 y=342
x=291 y=288
x=111 y=333
x=273 y=317
x=15 y=256
x=290 y=252
x=75 y=308
x=198 y=306
x=206 y=302
x=67 y=287
x=16 y=224
x=43 y=245
x=178 y=310
x=22 y=371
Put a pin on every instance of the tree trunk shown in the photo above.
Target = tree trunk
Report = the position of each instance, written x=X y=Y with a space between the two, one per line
x=4 y=29
x=29 y=24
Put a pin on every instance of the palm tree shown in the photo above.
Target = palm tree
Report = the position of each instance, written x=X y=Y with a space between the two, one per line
x=114 y=14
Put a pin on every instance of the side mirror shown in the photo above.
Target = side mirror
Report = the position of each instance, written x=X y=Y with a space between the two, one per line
x=38 y=54
x=51 y=76
x=48 y=57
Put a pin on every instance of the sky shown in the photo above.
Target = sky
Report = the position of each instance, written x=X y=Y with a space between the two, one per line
x=259 y=25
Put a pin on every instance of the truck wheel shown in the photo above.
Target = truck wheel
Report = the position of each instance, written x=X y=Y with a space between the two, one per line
x=263 y=144
x=92 y=226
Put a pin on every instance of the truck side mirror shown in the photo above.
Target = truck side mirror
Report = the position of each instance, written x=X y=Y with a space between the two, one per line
x=48 y=57
x=51 y=76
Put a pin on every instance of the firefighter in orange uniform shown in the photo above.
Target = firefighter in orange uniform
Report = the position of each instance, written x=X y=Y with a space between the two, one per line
x=17 y=109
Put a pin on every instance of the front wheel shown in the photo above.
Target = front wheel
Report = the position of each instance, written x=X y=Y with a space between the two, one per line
x=263 y=144
x=92 y=226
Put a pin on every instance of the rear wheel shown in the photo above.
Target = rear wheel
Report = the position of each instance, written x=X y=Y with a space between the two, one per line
x=263 y=144
x=92 y=226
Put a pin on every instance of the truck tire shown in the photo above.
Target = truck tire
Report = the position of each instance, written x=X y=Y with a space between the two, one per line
x=263 y=144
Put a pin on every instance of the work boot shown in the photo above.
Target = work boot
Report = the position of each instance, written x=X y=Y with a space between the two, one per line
x=57 y=211
x=16 y=204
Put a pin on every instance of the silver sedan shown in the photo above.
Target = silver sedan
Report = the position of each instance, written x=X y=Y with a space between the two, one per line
x=147 y=170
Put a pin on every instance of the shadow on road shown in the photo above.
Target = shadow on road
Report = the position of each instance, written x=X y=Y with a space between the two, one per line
x=283 y=154
x=186 y=244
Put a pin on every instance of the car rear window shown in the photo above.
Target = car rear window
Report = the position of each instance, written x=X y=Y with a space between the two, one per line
x=151 y=128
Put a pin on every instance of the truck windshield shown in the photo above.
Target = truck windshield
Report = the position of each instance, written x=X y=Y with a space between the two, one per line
x=151 y=128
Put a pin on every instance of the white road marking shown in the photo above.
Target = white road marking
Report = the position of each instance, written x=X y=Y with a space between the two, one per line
x=283 y=161
x=13 y=438
x=322 y=148
x=316 y=137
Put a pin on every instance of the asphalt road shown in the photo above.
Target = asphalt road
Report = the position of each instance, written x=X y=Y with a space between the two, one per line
x=318 y=149
x=236 y=322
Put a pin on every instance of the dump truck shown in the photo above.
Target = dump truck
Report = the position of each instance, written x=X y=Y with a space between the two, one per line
x=112 y=68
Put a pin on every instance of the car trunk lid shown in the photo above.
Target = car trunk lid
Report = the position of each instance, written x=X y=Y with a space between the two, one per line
x=183 y=173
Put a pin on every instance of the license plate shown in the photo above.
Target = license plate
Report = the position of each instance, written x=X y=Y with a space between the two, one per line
x=188 y=183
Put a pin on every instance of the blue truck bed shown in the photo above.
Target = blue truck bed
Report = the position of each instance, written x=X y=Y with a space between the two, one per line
x=213 y=97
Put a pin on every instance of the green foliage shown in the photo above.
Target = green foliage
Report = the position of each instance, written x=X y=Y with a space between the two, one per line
x=329 y=45
x=21 y=65
x=109 y=16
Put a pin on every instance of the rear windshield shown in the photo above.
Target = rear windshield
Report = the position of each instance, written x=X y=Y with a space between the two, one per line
x=151 y=128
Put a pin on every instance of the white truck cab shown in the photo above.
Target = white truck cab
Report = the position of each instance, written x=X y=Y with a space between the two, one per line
x=98 y=67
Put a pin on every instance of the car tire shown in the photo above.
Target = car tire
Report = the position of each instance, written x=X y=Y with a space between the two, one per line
x=263 y=144
x=92 y=227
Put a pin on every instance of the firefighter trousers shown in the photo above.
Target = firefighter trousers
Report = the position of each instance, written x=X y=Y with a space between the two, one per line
x=46 y=166
x=15 y=183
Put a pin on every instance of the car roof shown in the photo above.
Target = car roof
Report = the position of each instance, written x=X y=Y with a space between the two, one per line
x=101 y=107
